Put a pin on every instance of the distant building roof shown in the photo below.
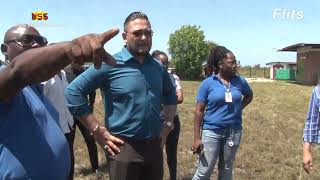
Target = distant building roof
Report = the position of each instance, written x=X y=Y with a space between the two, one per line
x=294 y=48
x=279 y=62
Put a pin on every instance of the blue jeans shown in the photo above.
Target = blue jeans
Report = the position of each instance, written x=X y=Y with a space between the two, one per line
x=216 y=143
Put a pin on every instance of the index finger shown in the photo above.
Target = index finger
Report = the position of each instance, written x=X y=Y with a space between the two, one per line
x=116 y=140
x=112 y=144
x=106 y=36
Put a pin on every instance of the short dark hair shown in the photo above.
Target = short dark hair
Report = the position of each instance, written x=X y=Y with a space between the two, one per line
x=216 y=56
x=157 y=53
x=133 y=16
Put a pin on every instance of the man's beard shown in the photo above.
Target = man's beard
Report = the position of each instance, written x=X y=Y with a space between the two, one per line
x=142 y=52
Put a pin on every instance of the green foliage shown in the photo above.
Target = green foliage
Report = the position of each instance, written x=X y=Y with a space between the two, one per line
x=188 y=50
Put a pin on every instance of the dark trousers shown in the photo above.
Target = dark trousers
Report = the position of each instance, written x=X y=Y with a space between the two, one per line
x=137 y=160
x=171 y=148
x=70 y=138
x=91 y=144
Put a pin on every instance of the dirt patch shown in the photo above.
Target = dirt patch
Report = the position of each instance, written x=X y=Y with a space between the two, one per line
x=259 y=80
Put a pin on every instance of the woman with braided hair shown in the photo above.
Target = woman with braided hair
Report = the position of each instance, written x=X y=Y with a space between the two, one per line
x=220 y=101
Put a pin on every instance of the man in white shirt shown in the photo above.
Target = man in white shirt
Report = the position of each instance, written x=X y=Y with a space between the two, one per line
x=173 y=137
x=53 y=89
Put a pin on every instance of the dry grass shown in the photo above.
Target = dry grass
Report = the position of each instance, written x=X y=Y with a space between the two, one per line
x=272 y=135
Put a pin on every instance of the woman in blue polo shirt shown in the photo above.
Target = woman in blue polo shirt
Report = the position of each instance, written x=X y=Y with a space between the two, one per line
x=220 y=101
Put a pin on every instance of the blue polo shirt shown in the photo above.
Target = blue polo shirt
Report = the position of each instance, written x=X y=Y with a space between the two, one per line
x=132 y=94
x=32 y=145
x=221 y=114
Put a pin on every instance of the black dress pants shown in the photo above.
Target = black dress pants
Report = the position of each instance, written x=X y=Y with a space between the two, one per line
x=137 y=160
x=91 y=145
x=171 y=148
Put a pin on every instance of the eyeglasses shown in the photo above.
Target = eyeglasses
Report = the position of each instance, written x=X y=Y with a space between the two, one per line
x=141 y=32
x=29 y=40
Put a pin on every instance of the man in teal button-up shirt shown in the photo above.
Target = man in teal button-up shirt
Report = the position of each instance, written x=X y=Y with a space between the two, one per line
x=133 y=92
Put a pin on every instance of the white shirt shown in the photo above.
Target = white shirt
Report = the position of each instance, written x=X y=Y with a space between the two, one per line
x=54 y=89
x=176 y=83
x=175 y=80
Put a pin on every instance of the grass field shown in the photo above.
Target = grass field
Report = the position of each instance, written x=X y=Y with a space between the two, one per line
x=271 y=146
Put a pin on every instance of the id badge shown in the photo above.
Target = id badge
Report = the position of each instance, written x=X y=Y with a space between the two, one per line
x=228 y=97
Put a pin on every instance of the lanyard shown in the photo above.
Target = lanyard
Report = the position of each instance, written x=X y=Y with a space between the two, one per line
x=228 y=95
x=226 y=87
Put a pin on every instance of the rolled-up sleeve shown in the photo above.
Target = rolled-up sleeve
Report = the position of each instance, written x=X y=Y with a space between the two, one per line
x=311 y=130
x=169 y=92
x=84 y=84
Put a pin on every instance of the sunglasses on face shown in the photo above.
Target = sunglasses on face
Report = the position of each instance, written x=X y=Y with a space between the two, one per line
x=29 y=40
x=141 y=32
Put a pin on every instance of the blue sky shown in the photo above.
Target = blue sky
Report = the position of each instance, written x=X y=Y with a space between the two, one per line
x=245 y=27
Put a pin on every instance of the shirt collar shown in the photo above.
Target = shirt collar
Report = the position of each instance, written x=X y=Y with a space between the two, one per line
x=215 y=76
x=126 y=55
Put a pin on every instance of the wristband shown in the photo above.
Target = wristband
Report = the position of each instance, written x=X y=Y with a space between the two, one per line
x=94 y=129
